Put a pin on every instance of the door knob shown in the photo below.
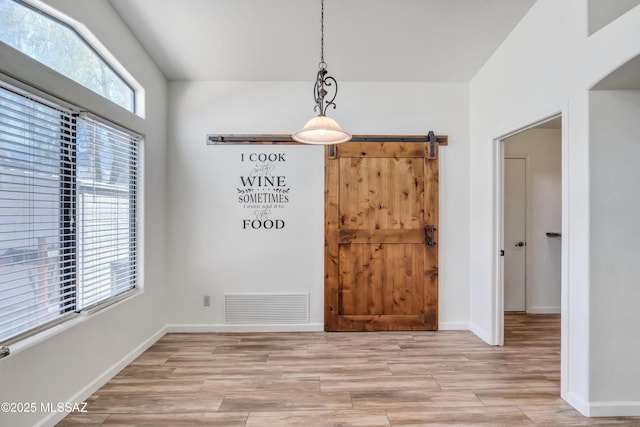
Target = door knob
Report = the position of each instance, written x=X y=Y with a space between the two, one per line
x=520 y=244
x=429 y=235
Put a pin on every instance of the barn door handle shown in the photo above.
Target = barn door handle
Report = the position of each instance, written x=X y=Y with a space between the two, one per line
x=432 y=145
x=429 y=236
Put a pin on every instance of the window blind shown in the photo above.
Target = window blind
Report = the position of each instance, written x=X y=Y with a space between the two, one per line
x=37 y=237
x=68 y=213
x=106 y=211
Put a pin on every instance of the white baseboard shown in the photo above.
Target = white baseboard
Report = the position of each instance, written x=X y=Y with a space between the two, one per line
x=604 y=409
x=53 y=418
x=614 y=409
x=453 y=326
x=544 y=310
x=305 y=327
x=578 y=403
x=480 y=333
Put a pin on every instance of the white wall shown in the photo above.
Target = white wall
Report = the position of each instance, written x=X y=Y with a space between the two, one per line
x=212 y=255
x=542 y=149
x=603 y=12
x=70 y=365
x=615 y=233
x=546 y=65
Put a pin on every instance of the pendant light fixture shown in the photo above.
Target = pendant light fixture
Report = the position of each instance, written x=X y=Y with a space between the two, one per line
x=322 y=129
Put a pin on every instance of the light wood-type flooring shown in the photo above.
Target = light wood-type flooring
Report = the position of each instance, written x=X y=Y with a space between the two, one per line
x=344 y=379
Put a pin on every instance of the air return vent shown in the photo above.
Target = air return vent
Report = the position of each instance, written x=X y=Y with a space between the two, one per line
x=266 y=309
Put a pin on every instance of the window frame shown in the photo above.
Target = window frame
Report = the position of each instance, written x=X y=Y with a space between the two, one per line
x=68 y=315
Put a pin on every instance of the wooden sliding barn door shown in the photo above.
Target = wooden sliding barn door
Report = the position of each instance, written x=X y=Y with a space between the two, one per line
x=381 y=219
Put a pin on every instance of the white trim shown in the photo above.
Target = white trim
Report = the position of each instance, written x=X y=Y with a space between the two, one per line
x=497 y=329
x=544 y=310
x=218 y=327
x=102 y=305
x=580 y=405
x=140 y=213
x=482 y=334
x=303 y=327
x=453 y=326
x=97 y=118
x=93 y=386
x=614 y=409
x=26 y=72
x=564 y=256
x=498 y=316
x=23 y=344
x=31 y=91
x=603 y=409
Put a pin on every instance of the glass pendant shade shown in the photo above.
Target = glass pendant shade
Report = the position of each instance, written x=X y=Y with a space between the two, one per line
x=321 y=130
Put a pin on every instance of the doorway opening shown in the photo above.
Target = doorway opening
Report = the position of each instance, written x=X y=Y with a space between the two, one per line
x=529 y=206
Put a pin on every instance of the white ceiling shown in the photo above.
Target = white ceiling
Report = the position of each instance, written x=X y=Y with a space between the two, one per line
x=365 y=40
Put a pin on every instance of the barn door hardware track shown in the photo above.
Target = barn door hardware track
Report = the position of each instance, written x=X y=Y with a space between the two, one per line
x=269 y=139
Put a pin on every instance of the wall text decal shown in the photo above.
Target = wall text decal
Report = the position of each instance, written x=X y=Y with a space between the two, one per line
x=262 y=191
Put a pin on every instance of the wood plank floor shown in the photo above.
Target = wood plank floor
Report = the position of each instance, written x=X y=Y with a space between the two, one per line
x=344 y=379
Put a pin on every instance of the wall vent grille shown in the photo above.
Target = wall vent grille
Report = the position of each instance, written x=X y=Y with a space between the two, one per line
x=266 y=309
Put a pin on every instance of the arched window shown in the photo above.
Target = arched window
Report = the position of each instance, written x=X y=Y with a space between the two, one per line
x=60 y=47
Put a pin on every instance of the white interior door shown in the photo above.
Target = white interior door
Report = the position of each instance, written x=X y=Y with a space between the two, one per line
x=515 y=220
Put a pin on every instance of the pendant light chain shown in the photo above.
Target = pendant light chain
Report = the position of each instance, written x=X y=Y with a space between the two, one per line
x=322 y=63
x=323 y=80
